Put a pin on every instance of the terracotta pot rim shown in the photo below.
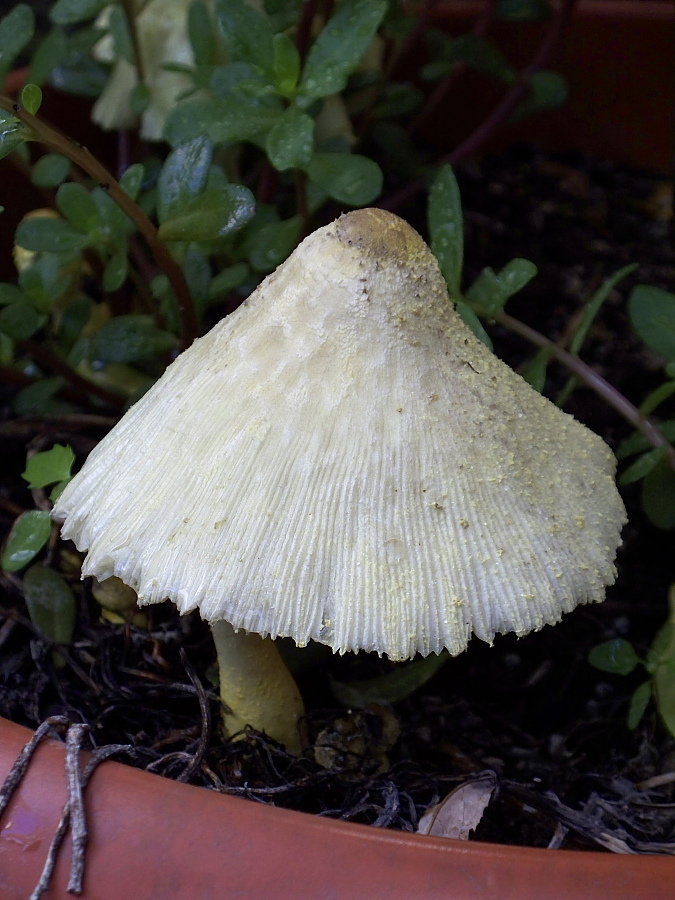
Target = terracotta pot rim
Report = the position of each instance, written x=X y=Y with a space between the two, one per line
x=167 y=840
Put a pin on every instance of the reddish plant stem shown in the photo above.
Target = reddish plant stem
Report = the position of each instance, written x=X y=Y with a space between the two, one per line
x=412 y=39
x=82 y=157
x=479 y=137
x=304 y=33
x=594 y=381
x=267 y=182
x=366 y=117
x=504 y=109
x=441 y=91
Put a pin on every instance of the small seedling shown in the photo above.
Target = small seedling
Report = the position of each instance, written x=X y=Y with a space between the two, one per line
x=618 y=656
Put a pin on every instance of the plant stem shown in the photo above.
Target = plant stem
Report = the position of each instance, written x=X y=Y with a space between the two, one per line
x=503 y=110
x=304 y=31
x=82 y=157
x=594 y=381
x=480 y=136
x=442 y=89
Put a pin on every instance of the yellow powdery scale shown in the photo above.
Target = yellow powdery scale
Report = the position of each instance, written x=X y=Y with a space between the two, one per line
x=342 y=460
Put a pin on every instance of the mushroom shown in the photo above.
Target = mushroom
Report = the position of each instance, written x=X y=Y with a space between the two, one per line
x=341 y=460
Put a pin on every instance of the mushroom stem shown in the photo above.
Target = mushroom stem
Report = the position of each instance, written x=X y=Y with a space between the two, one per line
x=256 y=687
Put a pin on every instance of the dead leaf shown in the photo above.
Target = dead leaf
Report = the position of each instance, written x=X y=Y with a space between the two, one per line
x=461 y=811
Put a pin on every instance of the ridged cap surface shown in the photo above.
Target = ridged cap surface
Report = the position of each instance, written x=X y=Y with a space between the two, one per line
x=341 y=459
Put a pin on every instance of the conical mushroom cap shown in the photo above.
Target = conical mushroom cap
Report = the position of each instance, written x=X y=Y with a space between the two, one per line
x=341 y=459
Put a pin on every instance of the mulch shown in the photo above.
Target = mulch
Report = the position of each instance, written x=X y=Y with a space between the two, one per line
x=533 y=711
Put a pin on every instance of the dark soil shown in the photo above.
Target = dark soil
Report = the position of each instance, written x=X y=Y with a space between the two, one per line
x=532 y=710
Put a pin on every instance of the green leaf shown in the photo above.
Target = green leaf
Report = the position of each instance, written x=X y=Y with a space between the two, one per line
x=10 y=293
x=523 y=10
x=197 y=269
x=183 y=176
x=591 y=310
x=227 y=281
x=31 y=98
x=397 y=100
x=50 y=170
x=283 y=13
x=595 y=304
x=13 y=133
x=240 y=82
x=47 y=279
x=38 y=398
x=656 y=397
x=83 y=76
x=273 y=243
x=472 y=50
x=58 y=489
x=658 y=495
x=491 y=290
x=19 y=321
x=16 y=30
x=534 y=371
x=49 y=466
x=118 y=27
x=132 y=180
x=6 y=350
x=548 y=90
x=484 y=57
x=77 y=205
x=662 y=647
x=616 y=656
x=664 y=689
x=290 y=142
x=446 y=228
x=471 y=320
x=116 y=269
x=392 y=687
x=53 y=235
x=139 y=99
x=28 y=536
x=48 y=55
x=51 y=605
x=246 y=31
x=286 y=64
x=638 y=704
x=638 y=442
x=349 y=178
x=652 y=313
x=73 y=320
x=339 y=48
x=642 y=466
x=222 y=121
x=214 y=214
x=201 y=33
x=129 y=338
x=68 y=12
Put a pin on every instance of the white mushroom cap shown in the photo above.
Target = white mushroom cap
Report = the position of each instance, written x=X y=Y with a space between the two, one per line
x=341 y=459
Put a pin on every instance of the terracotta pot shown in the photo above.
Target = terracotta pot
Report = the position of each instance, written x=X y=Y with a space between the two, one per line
x=156 y=839
x=617 y=57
